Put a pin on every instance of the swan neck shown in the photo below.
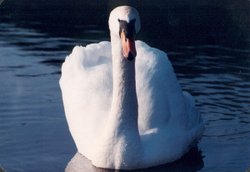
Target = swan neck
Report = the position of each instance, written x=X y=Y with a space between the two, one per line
x=124 y=103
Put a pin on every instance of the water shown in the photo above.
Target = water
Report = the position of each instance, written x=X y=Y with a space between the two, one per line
x=211 y=59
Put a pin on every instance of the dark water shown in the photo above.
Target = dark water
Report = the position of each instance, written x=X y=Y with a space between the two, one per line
x=208 y=43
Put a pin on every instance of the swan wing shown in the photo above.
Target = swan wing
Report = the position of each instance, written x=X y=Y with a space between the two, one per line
x=86 y=85
x=168 y=120
x=162 y=103
x=160 y=97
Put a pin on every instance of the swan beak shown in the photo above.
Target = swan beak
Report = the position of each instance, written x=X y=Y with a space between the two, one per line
x=128 y=47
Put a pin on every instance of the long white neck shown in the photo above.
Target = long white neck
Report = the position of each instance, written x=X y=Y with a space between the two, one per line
x=124 y=109
x=121 y=138
x=120 y=143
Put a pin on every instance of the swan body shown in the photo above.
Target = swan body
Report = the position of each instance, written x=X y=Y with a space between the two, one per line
x=126 y=113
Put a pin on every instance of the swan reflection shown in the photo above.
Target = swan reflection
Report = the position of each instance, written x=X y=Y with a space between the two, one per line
x=191 y=162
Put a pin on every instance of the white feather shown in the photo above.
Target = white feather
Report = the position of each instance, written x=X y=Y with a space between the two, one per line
x=104 y=129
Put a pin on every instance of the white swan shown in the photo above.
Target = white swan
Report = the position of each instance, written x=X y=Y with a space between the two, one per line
x=126 y=113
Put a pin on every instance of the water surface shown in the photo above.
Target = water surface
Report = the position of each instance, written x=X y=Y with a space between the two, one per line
x=211 y=59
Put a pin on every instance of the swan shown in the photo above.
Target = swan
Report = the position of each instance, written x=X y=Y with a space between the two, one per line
x=124 y=106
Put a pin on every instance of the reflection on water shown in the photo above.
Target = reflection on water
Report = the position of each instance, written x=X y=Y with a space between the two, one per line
x=33 y=131
x=192 y=161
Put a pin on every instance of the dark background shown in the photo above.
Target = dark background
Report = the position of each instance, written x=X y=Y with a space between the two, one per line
x=225 y=22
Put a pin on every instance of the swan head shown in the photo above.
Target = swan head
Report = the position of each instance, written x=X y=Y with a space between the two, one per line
x=124 y=23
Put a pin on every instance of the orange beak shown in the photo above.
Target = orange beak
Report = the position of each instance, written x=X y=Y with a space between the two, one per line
x=128 y=47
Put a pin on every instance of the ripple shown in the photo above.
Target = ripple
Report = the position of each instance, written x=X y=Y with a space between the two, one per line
x=53 y=62
x=38 y=75
x=219 y=79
